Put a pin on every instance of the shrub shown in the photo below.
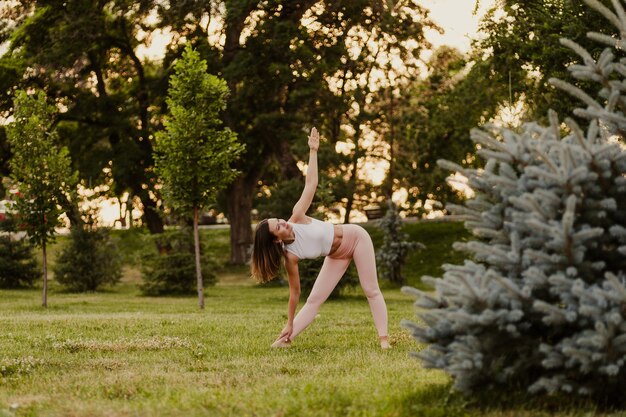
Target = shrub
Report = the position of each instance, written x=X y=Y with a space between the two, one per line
x=391 y=256
x=18 y=267
x=90 y=260
x=173 y=272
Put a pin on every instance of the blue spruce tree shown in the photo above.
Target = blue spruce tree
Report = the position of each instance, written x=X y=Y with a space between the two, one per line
x=541 y=303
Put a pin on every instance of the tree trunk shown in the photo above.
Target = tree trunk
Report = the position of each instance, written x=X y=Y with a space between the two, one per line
x=353 y=173
x=150 y=213
x=196 y=239
x=45 y=276
x=388 y=184
x=240 y=195
x=346 y=218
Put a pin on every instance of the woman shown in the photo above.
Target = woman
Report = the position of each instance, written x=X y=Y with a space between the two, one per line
x=302 y=237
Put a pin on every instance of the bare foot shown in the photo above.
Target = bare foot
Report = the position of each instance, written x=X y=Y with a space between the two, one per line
x=384 y=342
x=281 y=343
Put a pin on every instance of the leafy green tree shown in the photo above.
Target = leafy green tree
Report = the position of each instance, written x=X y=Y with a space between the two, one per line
x=524 y=52
x=194 y=153
x=86 y=57
x=431 y=119
x=42 y=169
x=393 y=33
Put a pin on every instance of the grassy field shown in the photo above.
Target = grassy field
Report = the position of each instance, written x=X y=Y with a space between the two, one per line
x=117 y=353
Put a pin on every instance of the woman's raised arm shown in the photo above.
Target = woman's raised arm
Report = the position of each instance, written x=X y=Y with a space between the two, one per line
x=303 y=204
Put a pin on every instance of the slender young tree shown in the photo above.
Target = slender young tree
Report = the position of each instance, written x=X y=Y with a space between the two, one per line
x=42 y=168
x=194 y=153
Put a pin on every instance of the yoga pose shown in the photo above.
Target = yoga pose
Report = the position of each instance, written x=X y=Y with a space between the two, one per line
x=302 y=237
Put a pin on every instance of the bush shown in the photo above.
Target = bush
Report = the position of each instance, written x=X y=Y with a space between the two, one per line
x=391 y=256
x=18 y=267
x=90 y=260
x=173 y=272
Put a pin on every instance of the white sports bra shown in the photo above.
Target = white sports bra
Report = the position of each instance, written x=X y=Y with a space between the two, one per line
x=311 y=240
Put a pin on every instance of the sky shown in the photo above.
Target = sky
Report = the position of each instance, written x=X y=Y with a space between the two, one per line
x=457 y=19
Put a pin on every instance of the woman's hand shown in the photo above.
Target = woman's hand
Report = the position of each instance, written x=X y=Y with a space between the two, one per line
x=285 y=334
x=314 y=140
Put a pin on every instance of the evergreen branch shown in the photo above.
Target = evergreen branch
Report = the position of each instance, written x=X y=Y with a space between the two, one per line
x=606 y=39
x=582 y=52
x=575 y=91
x=620 y=14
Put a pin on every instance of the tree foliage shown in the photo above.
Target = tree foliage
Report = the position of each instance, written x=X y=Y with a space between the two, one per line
x=524 y=51
x=194 y=154
x=42 y=169
x=173 y=271
x=288 y=64
x=540 y=304
x=18 y=267
x=86 y=57
x=431 y=119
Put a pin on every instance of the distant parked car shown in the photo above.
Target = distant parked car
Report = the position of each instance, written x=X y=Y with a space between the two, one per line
x=207 y=218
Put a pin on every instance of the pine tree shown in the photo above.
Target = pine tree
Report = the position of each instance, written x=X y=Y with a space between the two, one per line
x=541 y=304
x=18 y=267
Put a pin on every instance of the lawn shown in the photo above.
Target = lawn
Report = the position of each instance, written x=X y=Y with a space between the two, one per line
x=117 y=353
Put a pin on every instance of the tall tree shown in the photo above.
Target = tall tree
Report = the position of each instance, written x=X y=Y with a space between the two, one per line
x=524 y=51
x=85 y=56
x=327 y=74
x=42 y=169
x=381 y=54
x=431 y=119
x=194 y=154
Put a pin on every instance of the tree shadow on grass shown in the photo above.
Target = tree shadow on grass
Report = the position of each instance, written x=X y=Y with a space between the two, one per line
x=434 y=400
x=439 y=400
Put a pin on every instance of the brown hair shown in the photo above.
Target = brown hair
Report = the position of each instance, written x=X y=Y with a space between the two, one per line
x=266 y=254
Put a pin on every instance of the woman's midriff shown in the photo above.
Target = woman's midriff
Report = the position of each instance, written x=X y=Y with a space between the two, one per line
x=338 y=236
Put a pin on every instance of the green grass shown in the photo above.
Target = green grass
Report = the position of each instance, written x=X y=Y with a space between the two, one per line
x=117 y=353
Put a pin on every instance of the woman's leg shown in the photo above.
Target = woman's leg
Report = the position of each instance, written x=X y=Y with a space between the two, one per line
x=327 y=280
x=365 y=261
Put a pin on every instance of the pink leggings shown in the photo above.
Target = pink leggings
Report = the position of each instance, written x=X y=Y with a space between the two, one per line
x=356 y=244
